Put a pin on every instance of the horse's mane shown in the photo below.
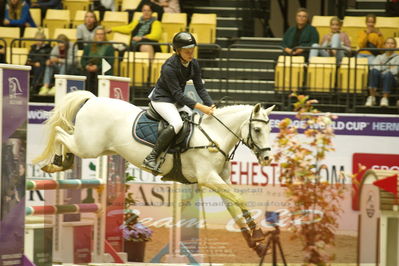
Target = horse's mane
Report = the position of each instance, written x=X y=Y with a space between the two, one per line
x=232 y=109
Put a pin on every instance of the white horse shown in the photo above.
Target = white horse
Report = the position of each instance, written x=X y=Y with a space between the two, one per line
x=90 y=126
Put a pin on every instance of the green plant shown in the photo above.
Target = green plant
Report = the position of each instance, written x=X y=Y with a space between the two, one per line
x=300 y=156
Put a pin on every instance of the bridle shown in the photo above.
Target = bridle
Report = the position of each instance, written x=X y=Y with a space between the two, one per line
x=249 y=142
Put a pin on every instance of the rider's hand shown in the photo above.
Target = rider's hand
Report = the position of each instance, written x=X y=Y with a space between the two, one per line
x=205 y=109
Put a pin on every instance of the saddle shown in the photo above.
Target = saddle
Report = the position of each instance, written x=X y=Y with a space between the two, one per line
x=145 y=130
x=149 y=123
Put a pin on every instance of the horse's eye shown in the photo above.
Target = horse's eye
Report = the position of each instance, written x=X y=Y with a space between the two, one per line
x=257 y=129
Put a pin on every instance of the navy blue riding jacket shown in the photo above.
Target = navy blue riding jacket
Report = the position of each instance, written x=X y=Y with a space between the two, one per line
x=174 y=76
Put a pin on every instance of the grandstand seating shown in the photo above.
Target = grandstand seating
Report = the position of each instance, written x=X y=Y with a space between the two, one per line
x=173 y=23
x=347 y=72
x=321 y=73
x=136 y=65
x=389 y=26
x=204 y=25
x=322 y=24
x=36 y=15
x=56 y=18
x=17 y=56
x=156 y=65
x=30 y=33
x=113 y=19
x=9 y=34
x=74 y=5
x=130 y=4
x=289 y=73
x=70 y=33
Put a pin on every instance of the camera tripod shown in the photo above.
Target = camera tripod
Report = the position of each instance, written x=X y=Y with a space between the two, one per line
x=273 y=239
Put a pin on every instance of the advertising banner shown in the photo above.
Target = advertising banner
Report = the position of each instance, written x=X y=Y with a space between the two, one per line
x=15 y=95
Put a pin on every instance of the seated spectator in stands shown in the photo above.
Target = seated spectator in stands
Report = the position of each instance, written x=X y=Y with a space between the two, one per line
x=47 y=4
x=146 y=29
x=302 y=34
x=61 y=59
x=334 y=39
x=92 y=57
x=17 y=15
x=371 y=37
x=384 y=74
x=85 y=31
x=38 y=55
x=156 y=6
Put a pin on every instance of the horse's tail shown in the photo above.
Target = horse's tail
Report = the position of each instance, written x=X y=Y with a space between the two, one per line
x=62 y=116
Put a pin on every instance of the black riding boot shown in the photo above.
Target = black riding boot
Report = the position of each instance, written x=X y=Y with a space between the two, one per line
x=163 y=141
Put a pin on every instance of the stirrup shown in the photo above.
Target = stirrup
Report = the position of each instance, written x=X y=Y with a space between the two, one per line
x=154 y=170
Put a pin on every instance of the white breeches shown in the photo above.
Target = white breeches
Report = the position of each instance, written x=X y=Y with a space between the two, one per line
x=170 y=113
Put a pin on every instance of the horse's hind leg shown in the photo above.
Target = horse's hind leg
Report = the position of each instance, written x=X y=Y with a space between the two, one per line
x=62 y=141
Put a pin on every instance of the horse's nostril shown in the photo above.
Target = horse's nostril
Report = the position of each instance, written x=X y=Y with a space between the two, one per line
x=266 y=158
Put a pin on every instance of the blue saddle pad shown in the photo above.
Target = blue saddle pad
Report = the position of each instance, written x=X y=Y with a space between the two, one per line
x=145 y=130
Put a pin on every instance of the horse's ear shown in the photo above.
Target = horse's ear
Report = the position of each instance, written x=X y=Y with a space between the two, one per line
x=257 y=108
x=270 y=109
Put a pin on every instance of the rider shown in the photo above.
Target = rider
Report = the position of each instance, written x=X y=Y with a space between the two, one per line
x=167 y=98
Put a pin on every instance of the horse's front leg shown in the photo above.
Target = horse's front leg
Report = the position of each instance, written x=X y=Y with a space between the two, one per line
x=234 y=203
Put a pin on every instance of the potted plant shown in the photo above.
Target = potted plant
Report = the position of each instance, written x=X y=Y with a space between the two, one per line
x=135 y=233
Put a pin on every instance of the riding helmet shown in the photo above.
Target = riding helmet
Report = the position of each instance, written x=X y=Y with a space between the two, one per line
x=183 y=40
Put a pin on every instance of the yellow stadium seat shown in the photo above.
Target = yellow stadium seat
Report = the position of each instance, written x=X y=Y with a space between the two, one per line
x=173 y=23
x=352 y=26
x=157 y=63
x=348 y=69
x=70 y=33
x=9 y=34
x=30 y=33
x=321 y=73
x=36 y=15
x=17 y=56
x=136 y=66
x=130 y=4
x=322 y=24
x=74 y=5
x=119 y=37
x=56 y=18
x=80 y=16
x=389 y=26
x=113 y=19
x=204 y=25
x=137 y=15
x=289 y=73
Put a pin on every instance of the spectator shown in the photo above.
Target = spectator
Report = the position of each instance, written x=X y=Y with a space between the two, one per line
x=371 y=37
x=85 y=31
x=2 y=11
x=104 y=5
x=156 y=6
x=334 y=39
x=61 y=59
x=92 y=58
x=47 y=4
x=302 y=34
x=384 y=74
x=38 y=55
x=146 y=29
x=17 y=15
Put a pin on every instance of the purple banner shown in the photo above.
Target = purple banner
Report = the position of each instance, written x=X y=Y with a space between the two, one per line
x=13 y=166
x=387 y=126
x=39 y=113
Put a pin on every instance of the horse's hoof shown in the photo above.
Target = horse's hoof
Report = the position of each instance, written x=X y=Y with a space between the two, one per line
x=261 y=249
x=247 y=237
x=52 y=168
x=257 y=235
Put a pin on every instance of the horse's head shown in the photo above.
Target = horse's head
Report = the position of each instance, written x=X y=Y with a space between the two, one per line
x=256 y=131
